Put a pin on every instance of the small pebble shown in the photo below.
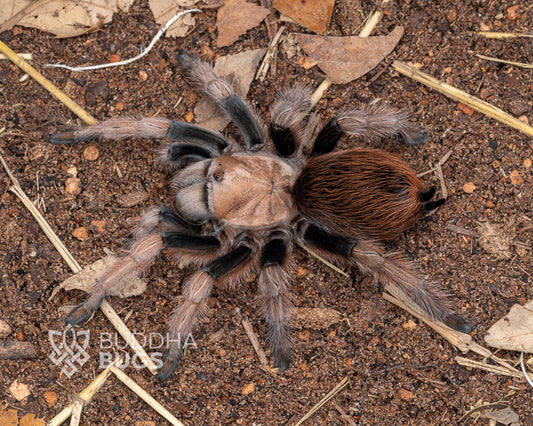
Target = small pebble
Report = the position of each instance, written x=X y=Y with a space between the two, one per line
x=132 y=198
x=409 y=325
x=248 y=389
x=515 y=177
x=50 y=397
x=405 y=394
x=493 y=144
x=189 y=117
x=143 y=76
x=91 y=153
x=466 y=109
x=72 y=186
x=100 y=225
x=114 y=58
x=119 y=106
x=489 y=204
x=81 y=233
x=527 y=163
x=469 y=187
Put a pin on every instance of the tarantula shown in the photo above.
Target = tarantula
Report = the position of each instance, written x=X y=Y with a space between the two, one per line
x=237 y=208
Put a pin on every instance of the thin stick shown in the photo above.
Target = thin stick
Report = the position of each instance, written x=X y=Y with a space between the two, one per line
x=86 y=395
x=324 y=400
x=526 y=375
x=324 y=261
x=462 y=97
x=145 y=396
x=365 y=32
x=130 y=60
x=263 y=69
x=344 y=416
x=106 y=308
x=255 y=341
x=487 y=367
x=47 y=84
x=499 y=36
x=503 y=61
x=75 y=417
x=24 y=56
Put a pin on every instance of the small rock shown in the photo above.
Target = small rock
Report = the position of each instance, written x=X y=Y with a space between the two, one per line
x=300 y=272
x=5 y=329
x=81 y=233
x=304 y=335
x=527 y=163
x=511 y=12
x=469 y=187
x=466 y=109
x=143 y=76
x=248 y=389
x=189 y=117
x=114 y=58
x=409 y=325
x=91 y=153
x=451 y=15
x=19 y=390
x=515 y=177
x=484 y=27
x=50 y=397
x=73 y=186
x=119 y=106
x=489 y=204
x=72 y=171
x=100 y=225
x=523 y=119
x=405 y=394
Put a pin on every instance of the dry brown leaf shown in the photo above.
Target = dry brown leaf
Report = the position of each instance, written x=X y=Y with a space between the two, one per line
x=312 y=14
x=19 y=390
x=164 y=10
x=64 y=18
x=30 y=420
x=495 y=240
x=240 y=70
x=316 y=318
x=344 y=59
x=514 y=331
x=8 y=417
x=235 y=18
x=86 y=278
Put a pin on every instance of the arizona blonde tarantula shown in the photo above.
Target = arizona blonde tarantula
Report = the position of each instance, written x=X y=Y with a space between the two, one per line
x=237 y=208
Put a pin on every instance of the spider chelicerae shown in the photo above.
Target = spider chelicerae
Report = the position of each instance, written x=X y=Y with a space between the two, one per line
x=238 y=208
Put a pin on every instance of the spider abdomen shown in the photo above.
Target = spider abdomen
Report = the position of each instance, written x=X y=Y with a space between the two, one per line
x=360 y=192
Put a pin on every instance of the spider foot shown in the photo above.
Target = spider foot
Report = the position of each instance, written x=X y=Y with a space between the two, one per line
x=282 y=359
x=169 y=365
x=412 y=136
x=458 y=323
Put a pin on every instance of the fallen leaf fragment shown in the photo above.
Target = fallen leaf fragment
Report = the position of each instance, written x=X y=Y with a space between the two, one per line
x=316 y=318
x=30 y=420
x=8 y=417
x=344 y=59
x=240 y=70
x=164 y=10
x=495 y=240
x=235 y=18
x=5 y=329
x=466 y=109
x=132 y=198
x=312 y=14
x=469 y=187
x=248 y=389
x=86 y=278
x=514 y=331
x=50 y=397
x=19 y=390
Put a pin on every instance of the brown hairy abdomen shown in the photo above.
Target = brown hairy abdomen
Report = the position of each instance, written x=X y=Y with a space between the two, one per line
x=360 y=192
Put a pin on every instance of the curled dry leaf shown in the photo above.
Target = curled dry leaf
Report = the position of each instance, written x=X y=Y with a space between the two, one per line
x=495 y=240
x=132 y=198
x=514 y=331
x=316 y=318
x=312 y=14
x=164 y=10
x=64 y=18
x=344 y=59
x=86 y=278
x=240 y=70
x=235 y=18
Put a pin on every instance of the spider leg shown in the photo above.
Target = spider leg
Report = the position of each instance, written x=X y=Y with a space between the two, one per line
x=148 y=244
x=275 y=300
x=193 y=304
x=287 y=114
x=392 y=270
x=371 y=121
x=202 y=75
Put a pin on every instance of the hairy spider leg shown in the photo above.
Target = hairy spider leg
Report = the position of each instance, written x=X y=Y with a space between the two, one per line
x=287 y=115
x=242 y=114
x=275 y=299
x=193 y=304
x=392 y=270
x=371 y=121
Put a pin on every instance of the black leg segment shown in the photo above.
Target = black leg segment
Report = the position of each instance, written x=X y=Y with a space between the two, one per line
x=243 y=119
x=226 y=263
x=184 y=132
x=333 y=243
x=187 y=241
x=274 y=252
x=327 y=139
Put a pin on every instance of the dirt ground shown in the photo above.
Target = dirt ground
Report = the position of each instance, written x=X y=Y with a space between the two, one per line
x=400 y=371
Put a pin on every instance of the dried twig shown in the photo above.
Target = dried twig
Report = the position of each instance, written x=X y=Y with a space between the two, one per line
x=503 y=61
x=347 y=419
x=365 y=32
x=144 y=52
x=255 y=341
x=24 y=56
x=75 y=417
x=500 y=36
x=145 y=396
x=324 y=400
x=18 y=350
x=504 y=371
x=462 y=97
x=272 y=48
x=85 y=395
x=47 y=84
x=324 y=261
